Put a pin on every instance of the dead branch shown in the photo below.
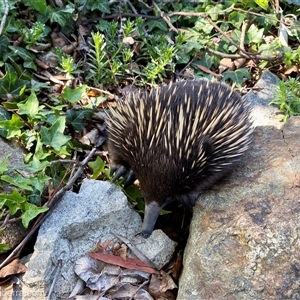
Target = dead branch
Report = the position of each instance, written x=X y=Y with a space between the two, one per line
x=4 y=16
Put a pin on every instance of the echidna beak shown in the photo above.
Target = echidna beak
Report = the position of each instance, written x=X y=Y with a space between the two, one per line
x=152 y=211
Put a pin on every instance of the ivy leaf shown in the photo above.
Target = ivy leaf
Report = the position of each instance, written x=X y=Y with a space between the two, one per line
x=254 y=34
x=160 y=24
x=13 y=201
x=39 y=181
x=4 y=115
x=237 y=76
x=18 y=181
x=39 y=5
x=3 y=164
x=102 y=5
x=10 y=84
x=76 y=119
x=13 y=126
x=36 y=165
x=30 y=107
x=73 y=95
x=262 y=3
x=97 y=166
x=54 y=136
x=40 y=152
x=26 y=56
x=30 y=212
x=4 y=248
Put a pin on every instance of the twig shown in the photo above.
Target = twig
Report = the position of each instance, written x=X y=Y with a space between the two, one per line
x=136 y=251
x=57 y=272
x=132 y=7
x=165 y=17
x=279 y=56
x=243 y=34
x=142 y=285
x=113 y=16
x=188 y=64
x=199 y=14
x=52 y=204
x=227 y=37
x=4 y=16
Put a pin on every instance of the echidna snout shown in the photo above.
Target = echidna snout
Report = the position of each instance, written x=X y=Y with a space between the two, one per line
x=178 y=140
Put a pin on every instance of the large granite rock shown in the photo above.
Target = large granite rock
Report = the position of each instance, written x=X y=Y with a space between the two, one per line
x=244 y=237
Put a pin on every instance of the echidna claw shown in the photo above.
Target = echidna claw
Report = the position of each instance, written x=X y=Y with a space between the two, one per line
x=113 y=169
x=121 y=171
x=130 y=179
x=188 y=200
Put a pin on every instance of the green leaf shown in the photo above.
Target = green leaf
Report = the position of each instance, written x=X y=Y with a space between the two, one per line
x=73 y=95
x=4 y=248
x=39 y=5
x=254 y=34
x=36 y=165
x=56 y=16
x=4 y=115
x=18 y=181
x=262 y=3
x=30 y=212
x=97 y=166
x=30 y=107
x=39 y=181
x=135 y=197
x=40 y=152
x=25 y=55
x=237 y=76
x=75 y=118
x=3 y=164
x=236 y=18
x=102 y=5
x=160 y=24
x=13 y=126
x=10 y=83
x=54 y=136
x=13 y=201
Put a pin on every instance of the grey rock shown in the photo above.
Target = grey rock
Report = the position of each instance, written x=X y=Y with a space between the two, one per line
x=244 y=236
x=10 y=147
x=74 y=228
x=14 y=231
x=263 y=93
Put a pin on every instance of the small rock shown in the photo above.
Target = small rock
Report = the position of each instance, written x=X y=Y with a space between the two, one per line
x=74 y=228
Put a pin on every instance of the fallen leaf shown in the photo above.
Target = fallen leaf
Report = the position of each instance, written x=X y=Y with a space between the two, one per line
x=13 y=268
x=129 y=263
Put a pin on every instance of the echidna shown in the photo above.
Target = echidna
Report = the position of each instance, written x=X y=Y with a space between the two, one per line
x=178 y=140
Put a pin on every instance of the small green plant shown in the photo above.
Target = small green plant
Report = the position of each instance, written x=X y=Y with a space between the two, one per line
x=98 y=61
x=35 y=34
x=287 y=98
x=68 y=66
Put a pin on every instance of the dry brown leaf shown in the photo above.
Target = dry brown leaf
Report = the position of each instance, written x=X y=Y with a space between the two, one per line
x=226 y=64
x=128 y=40
x=292 y=69
x=239 y=62
x=207 y=70
x=122 y=252
x=129 y=263
x=101 y=247
x=167 y=283
x=177 y=266
x=154 y=286
x=13 y=268
x=41 y=64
